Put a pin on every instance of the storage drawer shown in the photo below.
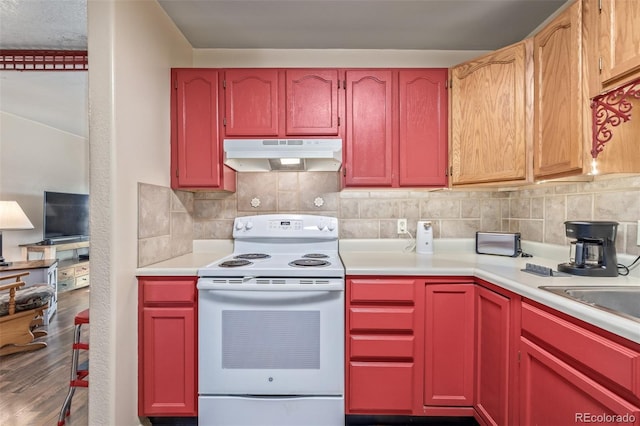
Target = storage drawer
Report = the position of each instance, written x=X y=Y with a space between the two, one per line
x=392 y=347
x=619 y=364
x=81 y=270
x=66 y=273
x=169 y=291
x=381 y=387
x=82 y=281
x=381 y=319
x=386 y=290
x=67 y=284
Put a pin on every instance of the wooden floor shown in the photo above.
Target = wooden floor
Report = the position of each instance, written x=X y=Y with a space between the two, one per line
x=33 y=385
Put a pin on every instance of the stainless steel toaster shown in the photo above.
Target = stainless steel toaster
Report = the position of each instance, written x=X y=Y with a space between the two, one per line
x=498 y=243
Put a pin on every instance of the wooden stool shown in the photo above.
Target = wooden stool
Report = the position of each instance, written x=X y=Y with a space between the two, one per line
x=79 y=373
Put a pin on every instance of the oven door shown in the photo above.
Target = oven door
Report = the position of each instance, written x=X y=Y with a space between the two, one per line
x=271 y=342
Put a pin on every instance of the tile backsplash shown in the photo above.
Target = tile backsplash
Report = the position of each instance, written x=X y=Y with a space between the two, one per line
x=166 y=229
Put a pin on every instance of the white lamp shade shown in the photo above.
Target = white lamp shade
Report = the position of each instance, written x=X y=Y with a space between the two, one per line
x=12 y=216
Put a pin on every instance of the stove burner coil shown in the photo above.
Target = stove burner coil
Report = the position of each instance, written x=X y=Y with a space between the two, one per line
x=234 y=263
x=304 y=263
x=252 y=256
x=316 y=256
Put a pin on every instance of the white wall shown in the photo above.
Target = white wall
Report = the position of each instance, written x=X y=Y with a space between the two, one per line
x=37 y=158
x=132 y=47
x=338 y=58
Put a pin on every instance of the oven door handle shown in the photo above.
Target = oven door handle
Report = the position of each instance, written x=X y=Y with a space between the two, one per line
x=270 y=287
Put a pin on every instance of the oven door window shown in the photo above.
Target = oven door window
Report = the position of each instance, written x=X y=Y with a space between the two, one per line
x=278 y=339
x=271 y=342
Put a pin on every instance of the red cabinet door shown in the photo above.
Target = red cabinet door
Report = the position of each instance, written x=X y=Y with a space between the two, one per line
x=196 y=149
x=423 y=127
x=251 y=102
x=369 y=117
x=167 y=347
x=449 y=349
x=554 y=393
x=312 y=102
x=493 y=347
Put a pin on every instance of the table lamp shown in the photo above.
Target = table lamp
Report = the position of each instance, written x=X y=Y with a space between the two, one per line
x=11 y=217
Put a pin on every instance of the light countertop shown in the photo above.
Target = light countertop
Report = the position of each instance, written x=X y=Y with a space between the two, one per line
x=451 y=258
x=458 y=258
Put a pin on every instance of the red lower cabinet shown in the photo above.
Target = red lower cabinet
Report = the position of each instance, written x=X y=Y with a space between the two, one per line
x=383 y=331
x=571 y=373
x=554 y=393
x=449 y=350
x=494 y=348
x=167 y=346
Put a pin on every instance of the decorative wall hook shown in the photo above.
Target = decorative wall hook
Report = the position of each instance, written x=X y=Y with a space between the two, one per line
x=609 y=110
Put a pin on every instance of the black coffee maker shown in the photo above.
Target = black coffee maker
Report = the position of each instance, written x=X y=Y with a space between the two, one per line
x=593 y=251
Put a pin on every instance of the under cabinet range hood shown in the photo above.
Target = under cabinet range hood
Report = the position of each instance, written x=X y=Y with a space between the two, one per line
x=263 y=155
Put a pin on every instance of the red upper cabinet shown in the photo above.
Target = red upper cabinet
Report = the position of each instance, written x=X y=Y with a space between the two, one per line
x=396 y=124
x=196 y=151
x=370 y=152
x=312 y=102
x=423 y=127
x=278 y=103
x=251 y=102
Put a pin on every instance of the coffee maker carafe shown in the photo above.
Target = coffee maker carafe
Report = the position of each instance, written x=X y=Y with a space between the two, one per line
x=593 y=250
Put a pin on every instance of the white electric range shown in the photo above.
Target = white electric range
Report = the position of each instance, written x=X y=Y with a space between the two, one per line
x=271 y=325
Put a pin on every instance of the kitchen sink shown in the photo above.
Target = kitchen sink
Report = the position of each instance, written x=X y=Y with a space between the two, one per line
x=623 y=301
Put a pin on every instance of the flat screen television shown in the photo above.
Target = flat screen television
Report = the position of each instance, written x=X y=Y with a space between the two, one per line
x=66 y=216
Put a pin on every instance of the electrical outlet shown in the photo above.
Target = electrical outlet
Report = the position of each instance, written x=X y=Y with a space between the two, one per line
x=638 y=234
x=402 y=226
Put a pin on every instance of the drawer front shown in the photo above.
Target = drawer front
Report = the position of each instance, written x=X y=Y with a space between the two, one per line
x=389 y=347
x=381 y=319
x=66 y=273
x=66 y=284
x=82 y=281
x=81 y=270
x=379 y=387
x=386 y=290
x=614 y=361
x=169 y=291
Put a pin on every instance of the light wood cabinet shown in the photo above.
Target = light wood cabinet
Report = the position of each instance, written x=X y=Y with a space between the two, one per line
x=558 y=101
x=619 y=41
x=491 y=117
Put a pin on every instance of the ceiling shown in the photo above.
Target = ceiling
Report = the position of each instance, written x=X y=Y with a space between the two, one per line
x=358 y=24
x=240 y=24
